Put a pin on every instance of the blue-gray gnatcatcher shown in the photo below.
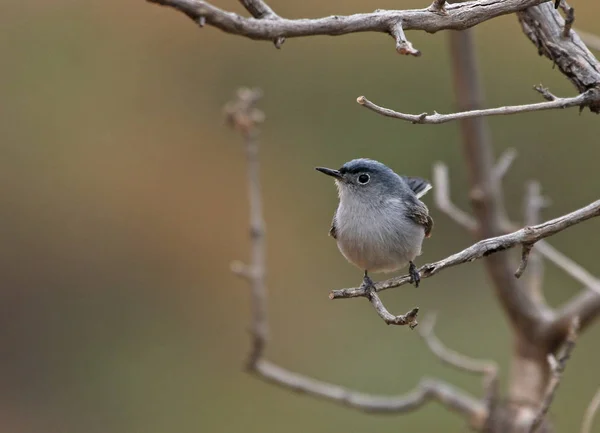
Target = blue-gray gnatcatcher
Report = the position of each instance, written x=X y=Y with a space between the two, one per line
x=380 y=223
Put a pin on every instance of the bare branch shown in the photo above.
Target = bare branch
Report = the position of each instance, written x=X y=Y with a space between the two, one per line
x=569 y=19
x=524 y=260
x=260 y=10
x=483 y=248
x=438 y=6
x=403 y=46
x=585 y=305
x=557 y=367
x=449 y=356
x=534 y=202
x=427 y=390
x=442 y=198
x=590 y=412
x=458 y=16
x=243 y=116
x=504 y=163
x=544 y=26
x=582 y=100
x=410 y=318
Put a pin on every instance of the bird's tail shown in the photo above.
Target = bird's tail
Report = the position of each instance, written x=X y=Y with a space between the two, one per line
x=419 y=185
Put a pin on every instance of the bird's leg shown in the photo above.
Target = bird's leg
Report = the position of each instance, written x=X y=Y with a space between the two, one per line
x=368 y=282
x=415 y=278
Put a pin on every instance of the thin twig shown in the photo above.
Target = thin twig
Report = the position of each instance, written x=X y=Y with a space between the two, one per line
x=504 y=163
x=483 y=248
x=458 y=16
x=410 y=318
x=581 y=100
x=438 y=6
x=442 y=199
x=534 y=202
x=242 y=115
x=403 y=45
x=590 y=412
x=557 y=367
x=569 y=19
x=526 y=250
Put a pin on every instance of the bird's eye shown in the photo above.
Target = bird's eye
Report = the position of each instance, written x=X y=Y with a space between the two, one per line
x=363 y=179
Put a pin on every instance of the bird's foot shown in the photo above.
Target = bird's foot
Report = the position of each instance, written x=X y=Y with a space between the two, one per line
x=368 y=283
x=415 y=277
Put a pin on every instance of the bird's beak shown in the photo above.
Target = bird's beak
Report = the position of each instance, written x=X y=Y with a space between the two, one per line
x=330 y=172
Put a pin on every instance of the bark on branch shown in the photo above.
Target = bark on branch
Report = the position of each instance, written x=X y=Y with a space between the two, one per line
x=458 y=16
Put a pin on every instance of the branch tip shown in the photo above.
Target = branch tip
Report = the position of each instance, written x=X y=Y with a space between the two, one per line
x=403 y=46
x=361 y=100
x=524 y=259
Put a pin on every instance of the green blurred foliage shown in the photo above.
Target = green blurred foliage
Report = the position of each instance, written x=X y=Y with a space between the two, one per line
x=124 y=201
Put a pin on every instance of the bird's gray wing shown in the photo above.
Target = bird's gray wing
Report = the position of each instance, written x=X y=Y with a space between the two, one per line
x=420 y=215
x=418 y=185
x=333 y=228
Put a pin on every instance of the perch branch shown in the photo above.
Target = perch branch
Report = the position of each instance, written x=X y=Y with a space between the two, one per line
x=483 y=248
x=582 y=100
x=590 y=412
x=445 y=204
x=260 y=10
x=557 y=367
x=242 y=115
x=458 y=16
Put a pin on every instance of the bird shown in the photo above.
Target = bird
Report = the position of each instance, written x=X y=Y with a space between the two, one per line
x=380 y=222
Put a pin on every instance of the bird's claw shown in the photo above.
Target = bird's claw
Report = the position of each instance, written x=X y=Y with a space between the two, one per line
x=415 y=277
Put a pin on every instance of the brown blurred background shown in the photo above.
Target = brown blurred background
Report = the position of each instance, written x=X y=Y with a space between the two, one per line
x=123 y=203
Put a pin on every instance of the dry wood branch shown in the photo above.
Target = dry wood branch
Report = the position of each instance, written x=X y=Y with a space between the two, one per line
x=569 y=19
x=242 y=115
x=403 y=46
x=572 y=268
x=504 y=163
x=585 y=306
x=557 y=367
x=483 y=248
x=524 y=260
x=582 y=100
x=260 y=10
x=590 y=412
x=427 y=390
x=457 y=360
x=534 y=202
x=457 y=17
x=442 y=199
x=544 y=26
x=410 y=318
x=438 y=6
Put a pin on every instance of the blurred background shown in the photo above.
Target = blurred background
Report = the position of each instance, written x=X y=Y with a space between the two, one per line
x=124 y=201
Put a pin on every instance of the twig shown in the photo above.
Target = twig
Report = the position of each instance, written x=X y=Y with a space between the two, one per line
x=544 y=26
x=403 y=46
x=569 y=19
x=442 y=198
x=410 y=318
x=242 y=115
x=557 y=367
x=458 y=16
x=590 y=412
x=581 y=100
x=524 y=259
x=534 y=202
x=504 y=163
x=260 y=10
x=483 y=248
x=437 y=6
x=427 y=390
